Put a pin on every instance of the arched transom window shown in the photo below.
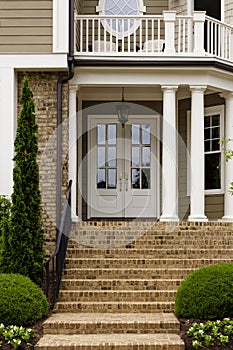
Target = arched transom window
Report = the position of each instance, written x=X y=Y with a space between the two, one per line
x=120 y=27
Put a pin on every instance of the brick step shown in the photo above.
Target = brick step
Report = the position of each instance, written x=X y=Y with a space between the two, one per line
x=152 y=253
x=132 y=273
x=152 y=223
x=89 y=323
x=123 y=284
x=110 y=342
x=149 y=244
x=115 y=307
x=148 y=232
x=116 y=262
x=116 y=295
x=154 y=229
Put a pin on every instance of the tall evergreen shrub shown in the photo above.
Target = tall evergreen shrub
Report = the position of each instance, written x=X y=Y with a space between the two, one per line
x=5 y=206
x=25 y=240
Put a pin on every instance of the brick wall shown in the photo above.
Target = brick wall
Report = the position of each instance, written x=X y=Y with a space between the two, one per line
x=44 y=88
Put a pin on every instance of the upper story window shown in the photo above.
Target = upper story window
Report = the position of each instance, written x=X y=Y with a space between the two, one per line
x=120 y=27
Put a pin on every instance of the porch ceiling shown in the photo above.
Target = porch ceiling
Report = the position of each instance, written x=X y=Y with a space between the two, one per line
x=148 y=93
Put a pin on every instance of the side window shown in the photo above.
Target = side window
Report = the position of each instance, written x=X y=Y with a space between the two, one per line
x=213 y=133
x=120 y=27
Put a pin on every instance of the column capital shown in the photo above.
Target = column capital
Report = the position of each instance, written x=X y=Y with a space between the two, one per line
x=169 y=87
x=227 y=95
x=73 y=87
x=198 y=88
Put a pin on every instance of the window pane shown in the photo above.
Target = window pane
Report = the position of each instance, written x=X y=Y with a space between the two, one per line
x=135 y=178
x=112 y=134
x=135 y=134
x=145 y=156
x=135 y=156
x=216 y=120
x=121 y=7
x=207 y=121
x=111 y=156
x=207 y=146
x=101 y=178
x=101 y=157
x=145 y=134
x=207 y=134
x=101 y=134
x=145 y=178
x=112 y=178
x=215 y=145
x=212 y=171
x=216 y=133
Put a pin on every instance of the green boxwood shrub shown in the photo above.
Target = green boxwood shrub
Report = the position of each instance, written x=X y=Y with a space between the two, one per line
x=206 y=293
x=22 y=302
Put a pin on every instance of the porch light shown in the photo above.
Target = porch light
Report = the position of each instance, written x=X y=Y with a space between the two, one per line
x=122 y=110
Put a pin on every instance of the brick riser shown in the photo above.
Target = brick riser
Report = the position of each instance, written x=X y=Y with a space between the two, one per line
x=115 y=307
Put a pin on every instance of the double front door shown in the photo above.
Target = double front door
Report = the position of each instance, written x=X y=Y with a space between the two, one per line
x=123 y=167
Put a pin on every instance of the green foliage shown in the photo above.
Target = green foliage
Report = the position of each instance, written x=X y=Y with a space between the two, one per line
x=206 y=293
x=211 y=333
x=228 y=153
x=22 y=302
x=15 y=335
x=23 y=251
x=5 y=206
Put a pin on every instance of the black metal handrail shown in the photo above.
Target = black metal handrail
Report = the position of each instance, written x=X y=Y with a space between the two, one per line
x=54 y=265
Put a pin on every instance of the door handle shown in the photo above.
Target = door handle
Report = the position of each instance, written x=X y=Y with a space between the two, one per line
x=126 y=182
x=120 y=182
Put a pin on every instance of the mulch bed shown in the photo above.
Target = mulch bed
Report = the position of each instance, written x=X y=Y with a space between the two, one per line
x=186 y=324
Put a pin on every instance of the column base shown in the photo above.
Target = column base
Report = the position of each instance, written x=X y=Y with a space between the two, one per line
x=75 y=219
x=195 y=218
x=167 y=218
x=226 y=219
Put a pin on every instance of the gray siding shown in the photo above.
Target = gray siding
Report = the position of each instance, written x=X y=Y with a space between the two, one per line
x=26 y=26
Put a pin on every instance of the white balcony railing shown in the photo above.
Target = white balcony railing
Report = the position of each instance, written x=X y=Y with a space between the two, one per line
x=165 y=35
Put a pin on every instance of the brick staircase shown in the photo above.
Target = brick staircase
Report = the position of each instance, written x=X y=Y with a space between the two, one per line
x=120 y=281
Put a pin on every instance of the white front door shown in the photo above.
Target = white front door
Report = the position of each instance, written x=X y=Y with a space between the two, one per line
x=123 y=167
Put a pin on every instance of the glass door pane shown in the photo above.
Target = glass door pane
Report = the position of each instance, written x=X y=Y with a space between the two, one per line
x=140 y=156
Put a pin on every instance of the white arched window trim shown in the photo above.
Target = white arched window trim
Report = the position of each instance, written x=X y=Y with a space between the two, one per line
x=107 y=24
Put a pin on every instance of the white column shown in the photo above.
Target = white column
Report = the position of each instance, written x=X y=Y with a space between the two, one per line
x=169 y=162
x=7 y=128
x=197 y=194
x=169 y=23
x=199 y=20
x=228 y=199
x=73 y=148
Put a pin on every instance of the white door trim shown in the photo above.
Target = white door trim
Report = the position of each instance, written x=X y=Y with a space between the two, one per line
x=155 y=196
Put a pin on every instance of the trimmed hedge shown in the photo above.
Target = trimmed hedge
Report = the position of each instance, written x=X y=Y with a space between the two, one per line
x=22 y=302
x=206 y=293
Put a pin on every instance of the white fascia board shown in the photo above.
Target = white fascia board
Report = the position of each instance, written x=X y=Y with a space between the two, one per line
x=37 y=61
x=60 y=26
x=153 y=76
